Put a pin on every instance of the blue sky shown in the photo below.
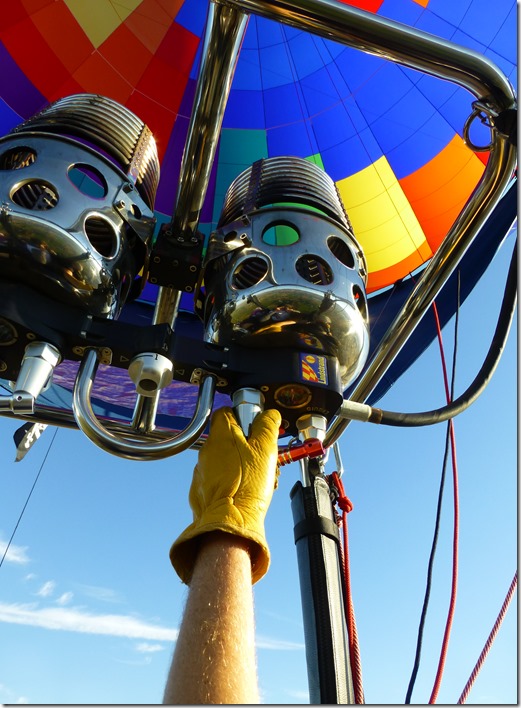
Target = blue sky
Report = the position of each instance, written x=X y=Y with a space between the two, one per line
x=89 y=604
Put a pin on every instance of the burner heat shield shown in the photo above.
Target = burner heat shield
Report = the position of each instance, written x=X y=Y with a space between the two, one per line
x=77 y=188
x=284 y=269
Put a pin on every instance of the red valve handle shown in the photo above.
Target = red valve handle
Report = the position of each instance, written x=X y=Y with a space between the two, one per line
x=311 y=448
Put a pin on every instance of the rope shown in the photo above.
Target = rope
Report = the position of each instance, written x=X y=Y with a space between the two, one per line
x=27 y=500
x=490 y=641
x=448 y=441
x=430 y=568
x=355 y=661
x=455 y=535
x=454 y=584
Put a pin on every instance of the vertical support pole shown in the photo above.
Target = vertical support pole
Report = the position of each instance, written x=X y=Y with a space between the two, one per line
x=317 y=542
x=321 y=587
x=225 y=30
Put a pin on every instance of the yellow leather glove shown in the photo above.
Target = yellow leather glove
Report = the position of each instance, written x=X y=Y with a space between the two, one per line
x=231 y=488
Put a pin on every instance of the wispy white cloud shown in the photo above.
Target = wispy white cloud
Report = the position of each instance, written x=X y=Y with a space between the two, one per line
x=64 y=598
x=46 y=589
x=78 y=620
x=146 y=648
x=97 y=592
x=277 y=644
x=15 y=554
x=11 y=696
x=74 y=619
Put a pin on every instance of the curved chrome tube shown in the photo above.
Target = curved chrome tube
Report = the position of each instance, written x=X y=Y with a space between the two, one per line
x=497 y=175
x=432 y=55
x=117 y=444
x=62 y=418
x=429 y=54
x=390 y=40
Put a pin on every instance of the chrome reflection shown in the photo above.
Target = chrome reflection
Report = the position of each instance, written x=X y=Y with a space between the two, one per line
x=77 y=185
x=284 y=268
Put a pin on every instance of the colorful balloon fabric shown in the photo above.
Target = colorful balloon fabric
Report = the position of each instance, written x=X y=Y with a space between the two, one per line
x=390 y=137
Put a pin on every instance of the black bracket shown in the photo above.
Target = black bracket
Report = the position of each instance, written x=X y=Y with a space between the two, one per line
x=176 y=260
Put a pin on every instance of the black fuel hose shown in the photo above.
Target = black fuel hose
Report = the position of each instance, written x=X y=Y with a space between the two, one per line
x=476 y=388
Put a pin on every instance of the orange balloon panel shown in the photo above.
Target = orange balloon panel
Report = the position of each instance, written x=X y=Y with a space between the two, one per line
x=437 y=201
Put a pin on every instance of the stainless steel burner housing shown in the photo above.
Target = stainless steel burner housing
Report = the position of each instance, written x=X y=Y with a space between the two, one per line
x=75 y=202
x=287 y=271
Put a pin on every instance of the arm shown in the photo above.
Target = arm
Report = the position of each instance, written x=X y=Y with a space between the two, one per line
x=220 y=555
x=214 y=658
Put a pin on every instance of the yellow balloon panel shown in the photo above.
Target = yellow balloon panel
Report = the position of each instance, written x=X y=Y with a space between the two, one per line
x=99 y=18
x=382 y=217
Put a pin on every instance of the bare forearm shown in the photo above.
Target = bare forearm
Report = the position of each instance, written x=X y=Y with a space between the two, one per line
x=214 y=658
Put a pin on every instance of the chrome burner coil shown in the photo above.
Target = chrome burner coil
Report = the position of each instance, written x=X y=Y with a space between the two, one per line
x=283 y=180
x=106 y=124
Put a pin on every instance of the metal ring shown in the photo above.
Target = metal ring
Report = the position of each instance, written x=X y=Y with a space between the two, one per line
x=478 y=111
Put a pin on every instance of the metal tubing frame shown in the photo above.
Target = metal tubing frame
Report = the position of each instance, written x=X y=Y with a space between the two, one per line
x=445 y=60
x=390 y=40
x=225 y=28
x=133 y=449
x=374 y=35
x=61 y=418
x=368 y=33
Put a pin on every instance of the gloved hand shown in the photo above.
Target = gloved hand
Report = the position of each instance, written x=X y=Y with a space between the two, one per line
x=231 y=488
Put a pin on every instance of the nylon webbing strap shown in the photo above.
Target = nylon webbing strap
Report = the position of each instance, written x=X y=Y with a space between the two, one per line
x=316 y=525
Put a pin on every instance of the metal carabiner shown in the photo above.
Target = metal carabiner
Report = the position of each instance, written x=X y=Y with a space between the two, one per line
x=484 y=113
